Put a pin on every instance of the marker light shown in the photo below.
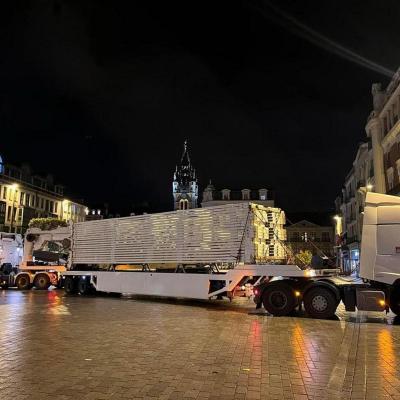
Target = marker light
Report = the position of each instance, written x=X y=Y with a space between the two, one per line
x=297 y=293
x=382 y=303
x=256 y=291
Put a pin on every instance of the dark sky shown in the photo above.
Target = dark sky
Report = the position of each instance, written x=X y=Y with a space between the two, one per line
x=102 y=94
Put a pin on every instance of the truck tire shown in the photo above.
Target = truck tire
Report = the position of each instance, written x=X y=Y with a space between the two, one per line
x=320 y=302
x=83 y=286
x=70 y=285
x=41 y=281
x=279 y=299
x=394 y=300
x=23 y=282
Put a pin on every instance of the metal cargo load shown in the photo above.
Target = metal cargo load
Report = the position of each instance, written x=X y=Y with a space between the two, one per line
x=233 y=233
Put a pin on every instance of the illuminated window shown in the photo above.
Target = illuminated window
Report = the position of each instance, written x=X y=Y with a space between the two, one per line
x=263 y=194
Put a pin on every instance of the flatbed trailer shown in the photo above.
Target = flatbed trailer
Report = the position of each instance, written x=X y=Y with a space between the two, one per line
x=205 y=283
x=214 y=253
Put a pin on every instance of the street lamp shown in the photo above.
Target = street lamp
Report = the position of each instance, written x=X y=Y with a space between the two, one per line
x=14 y=187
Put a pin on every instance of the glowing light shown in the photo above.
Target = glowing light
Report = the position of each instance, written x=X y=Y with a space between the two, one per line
x=382 y=303
x=297 y=293
x=370 y=187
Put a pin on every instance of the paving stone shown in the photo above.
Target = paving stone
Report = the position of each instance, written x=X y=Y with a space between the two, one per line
x=130 y=348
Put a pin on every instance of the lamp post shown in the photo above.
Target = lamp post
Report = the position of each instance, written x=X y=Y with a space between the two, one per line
x=14 y=187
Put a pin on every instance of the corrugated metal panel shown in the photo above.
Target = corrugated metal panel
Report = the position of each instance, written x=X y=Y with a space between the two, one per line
x=204 y=235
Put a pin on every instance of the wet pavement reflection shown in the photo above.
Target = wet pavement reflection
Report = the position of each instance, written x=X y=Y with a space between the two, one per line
x=58 y=347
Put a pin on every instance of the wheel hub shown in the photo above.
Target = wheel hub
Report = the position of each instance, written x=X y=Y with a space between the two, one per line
x=319 y=303
x=278 y=299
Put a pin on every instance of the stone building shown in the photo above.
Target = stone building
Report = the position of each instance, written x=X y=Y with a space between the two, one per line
x=185 y=189
x=383 y=127
x=214 y=197
x=306 y=235
x=350 y=206
x=24 y=195
x=376 y=168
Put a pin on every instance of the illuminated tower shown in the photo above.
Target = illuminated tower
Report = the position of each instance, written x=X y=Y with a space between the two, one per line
x=184 y=187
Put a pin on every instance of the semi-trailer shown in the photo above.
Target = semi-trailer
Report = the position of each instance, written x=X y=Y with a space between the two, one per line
x=198 y=253
x=203 y=253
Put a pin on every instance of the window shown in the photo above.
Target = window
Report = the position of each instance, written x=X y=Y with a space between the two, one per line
x=390 y=181
x=9 y=213
x=326 y=237
x=385 y=126
x=245 y=194
x=55 y=207
x=5 y=192
x=22 y=198
x=295 y=237
x=263 y=194
x=398 y=168
x=226 y=194
x=42 y=203
x=28 y=199
x=183 y=204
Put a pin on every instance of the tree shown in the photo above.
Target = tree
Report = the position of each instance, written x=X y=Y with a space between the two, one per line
x=46 y=224
x=304 y=257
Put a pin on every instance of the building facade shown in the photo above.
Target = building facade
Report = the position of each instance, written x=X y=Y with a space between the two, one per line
x=350 y=208
x=376 y=168
x=214 y=197
x=305 y=235
x=383 y=127
x=24 y=196
x=185 y=190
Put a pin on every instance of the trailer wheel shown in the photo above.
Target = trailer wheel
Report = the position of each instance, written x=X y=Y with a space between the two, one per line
x=69 y=285
x=394 y=300
x=41 y=282
x=320 y=302
x=23 y=282
x=279 y=299
x=83 y=286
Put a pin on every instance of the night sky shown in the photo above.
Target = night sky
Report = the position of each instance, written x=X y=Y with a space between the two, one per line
x=103 y=94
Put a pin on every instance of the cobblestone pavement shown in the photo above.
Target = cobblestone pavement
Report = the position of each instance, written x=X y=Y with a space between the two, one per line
x=56 y=347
